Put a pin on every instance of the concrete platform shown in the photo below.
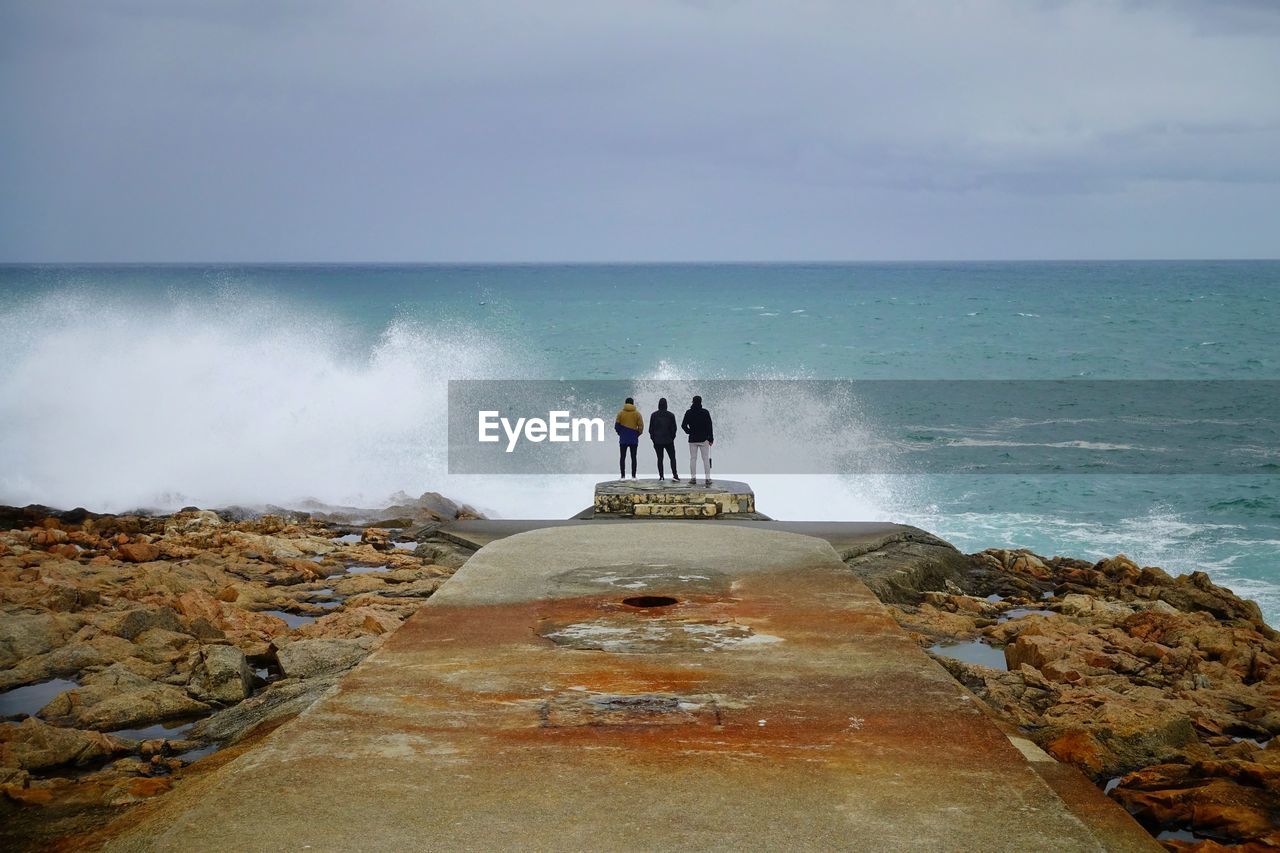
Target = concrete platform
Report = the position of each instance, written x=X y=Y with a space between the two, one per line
x=660 y=686
x=844 y=536
x=671 y=499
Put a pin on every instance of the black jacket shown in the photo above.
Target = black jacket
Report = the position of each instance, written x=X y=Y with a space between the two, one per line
x=697 y=423
x=662 y=427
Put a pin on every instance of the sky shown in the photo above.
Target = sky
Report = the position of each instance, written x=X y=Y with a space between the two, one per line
x=492 y=130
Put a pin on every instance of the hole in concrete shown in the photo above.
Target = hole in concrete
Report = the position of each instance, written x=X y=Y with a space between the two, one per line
x=649 y=601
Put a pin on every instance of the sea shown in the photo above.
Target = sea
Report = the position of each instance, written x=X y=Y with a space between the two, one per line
x=139 y=386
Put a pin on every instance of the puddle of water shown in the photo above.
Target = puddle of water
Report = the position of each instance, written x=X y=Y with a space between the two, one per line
x=348 y=538
x=975 y=651
x=167 y=731
x=1111 y=784
x=293 y=620
x=1019 y=612
x=364 y=570
x=995 y=598
x=325 y=598
x=1260 y=744
x=406 y=546
x=1178 y=835
x=1048 y=593
x=25 y=701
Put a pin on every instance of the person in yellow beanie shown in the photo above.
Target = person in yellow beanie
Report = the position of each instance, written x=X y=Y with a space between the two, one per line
x=628 y=425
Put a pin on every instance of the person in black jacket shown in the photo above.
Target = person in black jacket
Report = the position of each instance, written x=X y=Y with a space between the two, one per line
x=662 y=429
x=697 y=425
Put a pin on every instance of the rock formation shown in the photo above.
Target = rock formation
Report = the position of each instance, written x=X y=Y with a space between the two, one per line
x=1164 y=690
x=131 y=646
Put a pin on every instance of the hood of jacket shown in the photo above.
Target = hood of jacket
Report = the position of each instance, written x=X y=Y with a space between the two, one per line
x=662 y=426
x=630 y=420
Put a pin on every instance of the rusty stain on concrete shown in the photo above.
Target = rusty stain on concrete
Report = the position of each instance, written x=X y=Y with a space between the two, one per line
x=762 y=699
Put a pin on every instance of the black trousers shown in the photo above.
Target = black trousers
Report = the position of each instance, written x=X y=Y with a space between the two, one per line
x=622 y=460
x=670 y=449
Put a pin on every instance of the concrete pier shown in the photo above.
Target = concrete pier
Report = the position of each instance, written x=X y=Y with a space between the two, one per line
x=638 y=686
x=670 y=499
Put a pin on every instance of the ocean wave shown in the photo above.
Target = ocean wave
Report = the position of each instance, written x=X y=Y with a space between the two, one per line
x=1072 y=445
x=224 y=399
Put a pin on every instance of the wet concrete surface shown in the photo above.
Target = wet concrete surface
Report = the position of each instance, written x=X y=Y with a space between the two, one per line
x=676 y=685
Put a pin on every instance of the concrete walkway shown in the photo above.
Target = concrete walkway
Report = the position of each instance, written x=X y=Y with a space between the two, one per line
x=658 y=686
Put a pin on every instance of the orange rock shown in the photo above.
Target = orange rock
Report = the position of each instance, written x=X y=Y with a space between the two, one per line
x=239 y=624
x=1120 y=568
x=1203 y=797
x=144 y=787
x=1238 y=820
x=85 y=539
x=199 y=603
x=28 y=796
x=45 y=538
x=306 y=567
x=1078 y=748
x=138 y=552
x=379 y=622
x=1034 y=650
x=1060 y=671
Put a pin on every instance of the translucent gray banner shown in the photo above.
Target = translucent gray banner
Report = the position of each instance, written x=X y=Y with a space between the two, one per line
x=879 y=426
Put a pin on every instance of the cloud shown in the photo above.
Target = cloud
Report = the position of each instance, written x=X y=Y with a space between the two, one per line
x=412 y=130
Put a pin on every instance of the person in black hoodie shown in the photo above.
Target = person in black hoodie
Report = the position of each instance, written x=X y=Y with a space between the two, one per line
x=697 y=425
x=662 y=429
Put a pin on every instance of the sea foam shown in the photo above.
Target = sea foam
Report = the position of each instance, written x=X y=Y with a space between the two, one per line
x=237 y=399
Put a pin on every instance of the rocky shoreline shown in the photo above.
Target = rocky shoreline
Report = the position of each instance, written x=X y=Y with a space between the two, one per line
x=138 y=650
x=1164 y=691
x=132 y=646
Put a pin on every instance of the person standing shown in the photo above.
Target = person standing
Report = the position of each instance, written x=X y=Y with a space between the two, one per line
x=697 y=425
x=628 y=425
x=662 y=430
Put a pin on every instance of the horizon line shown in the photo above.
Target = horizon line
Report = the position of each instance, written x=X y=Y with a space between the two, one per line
x=604 y=263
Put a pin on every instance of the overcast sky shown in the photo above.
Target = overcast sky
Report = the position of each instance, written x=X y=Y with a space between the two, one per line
x=352 y=130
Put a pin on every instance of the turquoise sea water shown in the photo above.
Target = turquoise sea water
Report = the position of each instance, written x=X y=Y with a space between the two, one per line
x=154 y=386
